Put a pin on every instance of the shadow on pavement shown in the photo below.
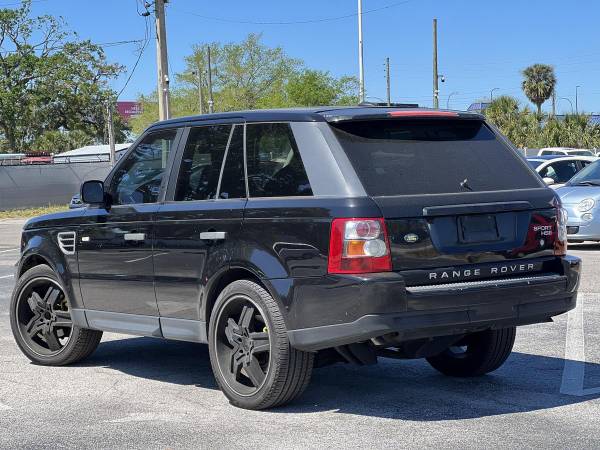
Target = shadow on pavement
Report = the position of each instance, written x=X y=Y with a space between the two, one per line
x=408 y=389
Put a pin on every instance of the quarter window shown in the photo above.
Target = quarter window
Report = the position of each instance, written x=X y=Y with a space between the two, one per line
x=275 y=168
x=201 y=163
x=138 y=178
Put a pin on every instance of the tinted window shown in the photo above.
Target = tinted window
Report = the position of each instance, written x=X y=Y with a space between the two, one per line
x=591 y=174
x=430 y=156
x=560 y=171
x=201 y=163
x=233 y=182
x=275 y=168
x=138 y=179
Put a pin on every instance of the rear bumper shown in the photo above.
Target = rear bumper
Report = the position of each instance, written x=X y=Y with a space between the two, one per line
x=449 y=309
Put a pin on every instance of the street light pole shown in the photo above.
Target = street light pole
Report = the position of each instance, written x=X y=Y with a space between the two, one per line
x=576 y=105
x=361 y=68
x=492 y=94
x=570 y=102
x=448 y=100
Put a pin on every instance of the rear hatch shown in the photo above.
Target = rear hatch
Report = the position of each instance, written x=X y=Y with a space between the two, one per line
x=459 y=203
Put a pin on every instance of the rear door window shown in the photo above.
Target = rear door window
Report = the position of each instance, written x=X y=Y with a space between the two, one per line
x=275 y=168
x=201 y=163
x=431 y=156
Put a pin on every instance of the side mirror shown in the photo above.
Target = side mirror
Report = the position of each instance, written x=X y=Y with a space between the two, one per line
x=549 y=181
x=92 y=192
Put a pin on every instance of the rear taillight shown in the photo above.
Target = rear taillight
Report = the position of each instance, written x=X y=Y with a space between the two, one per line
x=560 y=242
x=359 y=246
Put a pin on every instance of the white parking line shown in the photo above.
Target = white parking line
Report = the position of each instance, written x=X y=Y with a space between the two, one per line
x=6 y=276
x=574 y=371
x=9 y=250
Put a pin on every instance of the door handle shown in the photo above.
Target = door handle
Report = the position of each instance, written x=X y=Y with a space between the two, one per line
x=213 y=235
x=135 y=236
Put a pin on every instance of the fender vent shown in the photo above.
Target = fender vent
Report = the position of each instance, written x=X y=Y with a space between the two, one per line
x=66 y=242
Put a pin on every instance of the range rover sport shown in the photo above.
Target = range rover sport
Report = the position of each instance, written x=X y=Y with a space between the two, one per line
x=288 y=239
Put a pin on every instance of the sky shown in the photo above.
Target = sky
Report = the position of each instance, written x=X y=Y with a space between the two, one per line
x=482 y=45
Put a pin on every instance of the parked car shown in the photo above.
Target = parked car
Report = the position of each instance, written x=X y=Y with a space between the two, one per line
x=37 y=158
x=76 y=202
x=556 y=170
x=285 y=237
x=581 y=198
x=566 y=151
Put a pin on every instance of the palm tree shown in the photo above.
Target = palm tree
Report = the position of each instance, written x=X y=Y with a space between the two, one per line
x=538 y=84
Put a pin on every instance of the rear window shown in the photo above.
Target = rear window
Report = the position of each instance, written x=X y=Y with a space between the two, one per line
x=431 y=156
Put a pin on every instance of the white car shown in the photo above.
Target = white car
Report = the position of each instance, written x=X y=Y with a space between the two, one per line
x=557 y=170
x=566 y=151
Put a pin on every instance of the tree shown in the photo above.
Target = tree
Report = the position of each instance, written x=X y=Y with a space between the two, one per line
x=538 y=84
x=49 y=80
x=314 y=88
x=248 y=75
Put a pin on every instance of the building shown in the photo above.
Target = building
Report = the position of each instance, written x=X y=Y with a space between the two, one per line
x=90 y=153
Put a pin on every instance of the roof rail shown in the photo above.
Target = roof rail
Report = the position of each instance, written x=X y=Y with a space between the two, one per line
x=391 y=105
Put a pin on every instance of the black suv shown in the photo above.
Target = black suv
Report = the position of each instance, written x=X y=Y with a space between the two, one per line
x=291 y=238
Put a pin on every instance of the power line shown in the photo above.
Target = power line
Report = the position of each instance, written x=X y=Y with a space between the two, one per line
x=147 y=36
x=295 y=22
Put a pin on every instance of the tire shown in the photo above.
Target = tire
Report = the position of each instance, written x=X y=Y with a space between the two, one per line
x=481 y=353
x=41 y=322
x=245 y=309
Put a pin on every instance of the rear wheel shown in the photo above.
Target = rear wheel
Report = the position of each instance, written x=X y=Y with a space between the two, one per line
x=41 y=322
x=252 y=360
x=477 y=354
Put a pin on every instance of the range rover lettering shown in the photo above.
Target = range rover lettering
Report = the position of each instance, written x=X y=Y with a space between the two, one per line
x=288 y=239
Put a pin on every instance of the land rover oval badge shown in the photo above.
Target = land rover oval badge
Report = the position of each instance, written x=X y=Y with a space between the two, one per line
x=411 y=238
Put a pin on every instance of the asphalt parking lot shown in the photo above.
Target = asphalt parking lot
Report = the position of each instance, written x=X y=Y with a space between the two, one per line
x=149 y=393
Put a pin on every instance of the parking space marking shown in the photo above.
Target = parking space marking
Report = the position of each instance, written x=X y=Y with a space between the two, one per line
x=9 y=250
x=6 y=276
x=574 y=370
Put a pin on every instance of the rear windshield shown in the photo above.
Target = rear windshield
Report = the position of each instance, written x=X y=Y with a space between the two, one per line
x=431 y=156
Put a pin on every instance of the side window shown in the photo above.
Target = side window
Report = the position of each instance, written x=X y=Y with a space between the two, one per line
x=201 y=163
x=565 y=170
x=139 y=177
x=560 y=171
x=275 y=168
x=233 y=181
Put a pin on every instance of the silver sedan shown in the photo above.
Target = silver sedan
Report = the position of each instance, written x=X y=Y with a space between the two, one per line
x=581 y=198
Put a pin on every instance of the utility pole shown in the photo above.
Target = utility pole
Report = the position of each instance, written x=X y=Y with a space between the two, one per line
x=553 y=102
x=211 y=103
x=436 y=91
x=200 y=99
x=162 y=61
x=361 y=68
x=576 y=98
x=111 y=131
x=387 y=76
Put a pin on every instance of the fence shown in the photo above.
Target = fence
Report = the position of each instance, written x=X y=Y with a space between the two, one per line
x=39 y=185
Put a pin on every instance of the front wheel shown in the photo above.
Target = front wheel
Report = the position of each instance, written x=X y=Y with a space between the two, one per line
x=41 y=322
x=477 y=354
x=251 y=358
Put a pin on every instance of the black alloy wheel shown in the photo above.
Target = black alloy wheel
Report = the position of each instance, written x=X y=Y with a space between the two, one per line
x=252 y=360
x=43 y=316
x=243 y=345
x=42 y=323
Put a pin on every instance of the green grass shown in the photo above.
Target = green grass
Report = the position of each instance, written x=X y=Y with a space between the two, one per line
x=26 y=213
